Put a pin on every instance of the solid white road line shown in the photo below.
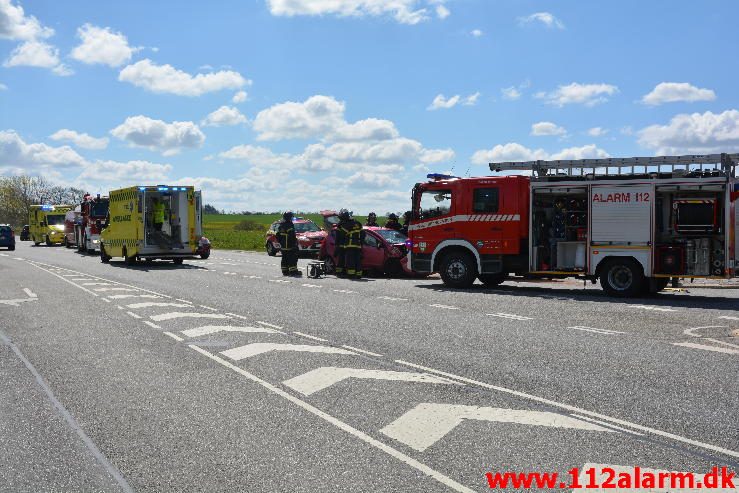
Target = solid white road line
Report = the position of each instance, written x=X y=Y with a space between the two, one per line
x=269 y=325
x=209 y=308
x=112 y=470
x=152 y=324
x=726 y=317
x=30 y=293
x=419 y=466
x=254 y=349
x=324 y=377
x=133 y=315
x=124 y=296
x=370 y=353
x=212 y=329
x=172 y=315
x=652 y=307
x=310 y=336
x=608 y=425
x=239 y=316
x=706 y=348
x=105 y=290
x=597 y=331
x=182 y=301
x=120 y=307
x=429 y=422
x=173 y=336
x=510 y=316
x=64 y=279
x=671 y=436
x=148 y=304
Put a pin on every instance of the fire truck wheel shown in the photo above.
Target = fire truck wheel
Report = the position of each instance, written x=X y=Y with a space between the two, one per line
x=458 y=269
x=492 y=280
x=177 y=261
x=622 y=277
x=271 y=250
x=104 y=257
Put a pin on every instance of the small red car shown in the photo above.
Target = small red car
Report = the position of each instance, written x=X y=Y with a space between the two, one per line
x=310 y=237
x=383 y=252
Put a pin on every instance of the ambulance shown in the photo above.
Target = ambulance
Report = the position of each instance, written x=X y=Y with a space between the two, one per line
x=46 y=223
x=136 y=229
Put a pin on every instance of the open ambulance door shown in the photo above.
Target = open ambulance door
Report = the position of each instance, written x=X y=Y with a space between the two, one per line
x=198 y=214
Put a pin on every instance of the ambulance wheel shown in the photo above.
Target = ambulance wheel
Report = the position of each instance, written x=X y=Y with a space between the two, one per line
x=204 y=255
x=622 y=278
x=177 y=261
x=271 y=250
x=458 y=269
x=48 y=241
x=492 y=280
x=104 y=257
x=128 y=260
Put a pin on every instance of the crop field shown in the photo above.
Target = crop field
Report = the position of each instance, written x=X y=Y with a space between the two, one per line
x=245 y=232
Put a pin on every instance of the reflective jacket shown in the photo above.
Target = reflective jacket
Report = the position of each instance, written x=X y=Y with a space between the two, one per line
x=286 y=235
x=158 y=214
x=350 y=234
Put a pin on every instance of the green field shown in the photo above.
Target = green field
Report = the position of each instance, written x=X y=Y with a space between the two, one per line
x=221 y=230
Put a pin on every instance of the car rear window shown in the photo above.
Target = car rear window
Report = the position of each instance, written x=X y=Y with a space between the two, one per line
x=5 y=229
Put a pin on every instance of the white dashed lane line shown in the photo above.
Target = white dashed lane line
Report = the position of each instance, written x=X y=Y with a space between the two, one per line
x=301 y=334
x=133 y=315
x=653 y=308
x=173 y=315
x=510 y=316
x=445 y=307
x=390 y=298
x=597 y=331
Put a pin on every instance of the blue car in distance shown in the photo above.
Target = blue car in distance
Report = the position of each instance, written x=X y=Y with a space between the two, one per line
x=7 y=237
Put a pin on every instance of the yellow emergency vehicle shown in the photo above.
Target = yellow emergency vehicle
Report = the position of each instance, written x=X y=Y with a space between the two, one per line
x=46 y=223
x=152 y=222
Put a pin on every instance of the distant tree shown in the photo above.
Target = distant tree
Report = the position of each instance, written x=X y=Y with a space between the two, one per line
x=209 y=209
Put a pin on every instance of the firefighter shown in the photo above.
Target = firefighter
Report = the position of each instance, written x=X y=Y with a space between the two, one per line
x=340 y=270
x=372 y=220
x=392 y=222
x=158 y=213
x=288 y=245
x=406 y=222
x=350 y=236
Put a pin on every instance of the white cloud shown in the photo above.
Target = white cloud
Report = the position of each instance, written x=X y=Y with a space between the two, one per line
x=82 y=140
x=435 y=156
x=167 y=79
x=239 y=97
x=673 y=92
x=223 y=117
x=363 y=130
x=442 y=102
x=314 y=117
x=403 y=11
x=575 y=93
x=512 y=152
x=547 y=128
x=159 y=136
x=476 y=33
x=3 y=87
x=544 y=18
x=37 y=54
x=101 y=45
x=597 y=132
x=697 y=133
x=511 y=93
x=119 y=173
x=35 y=157
x=15 y=25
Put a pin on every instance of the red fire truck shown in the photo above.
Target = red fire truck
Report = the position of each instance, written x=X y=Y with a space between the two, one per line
x=632 y=223
x=91 y=221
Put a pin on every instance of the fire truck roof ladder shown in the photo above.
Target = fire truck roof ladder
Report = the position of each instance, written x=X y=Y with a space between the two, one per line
x=726 y=164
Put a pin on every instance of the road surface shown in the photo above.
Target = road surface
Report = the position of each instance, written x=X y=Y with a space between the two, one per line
x=221 y=375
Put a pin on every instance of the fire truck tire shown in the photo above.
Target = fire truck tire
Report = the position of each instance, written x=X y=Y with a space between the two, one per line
x=492 y=280
x=104 y=257
x=653 y=285
x=271 y=250
x=177 y=261
x=622 y=278
x=458 y=269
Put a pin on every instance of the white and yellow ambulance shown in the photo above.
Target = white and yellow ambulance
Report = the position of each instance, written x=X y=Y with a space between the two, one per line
x=46 y=223
x=152 y=222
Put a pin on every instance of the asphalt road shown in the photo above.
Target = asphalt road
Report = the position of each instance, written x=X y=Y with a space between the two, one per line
x=221 y=375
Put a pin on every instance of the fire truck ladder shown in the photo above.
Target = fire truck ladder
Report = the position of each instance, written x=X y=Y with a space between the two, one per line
x=724 y=164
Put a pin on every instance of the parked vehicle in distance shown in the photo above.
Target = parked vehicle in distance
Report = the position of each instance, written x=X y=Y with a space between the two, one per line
x=25 y=233
x=46 y=223
x=7 y=237
x=71 y=218
x=310 y=237
x=383 y=251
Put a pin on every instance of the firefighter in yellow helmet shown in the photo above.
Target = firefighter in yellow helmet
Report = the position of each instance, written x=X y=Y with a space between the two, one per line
x=288 y=245
x=350 y=235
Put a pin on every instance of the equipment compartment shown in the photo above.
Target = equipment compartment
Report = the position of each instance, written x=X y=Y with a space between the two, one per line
x=560 y=229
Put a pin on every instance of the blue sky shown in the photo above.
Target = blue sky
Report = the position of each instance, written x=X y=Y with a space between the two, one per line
x=349 y=103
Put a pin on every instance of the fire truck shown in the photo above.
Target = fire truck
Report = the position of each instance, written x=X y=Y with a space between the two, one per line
x=632 y=223
x=90 y=222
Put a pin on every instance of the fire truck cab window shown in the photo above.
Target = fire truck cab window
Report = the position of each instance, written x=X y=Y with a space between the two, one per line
x=485 y=200
x=435 y=203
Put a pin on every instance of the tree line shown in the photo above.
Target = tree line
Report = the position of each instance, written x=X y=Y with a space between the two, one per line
x=19 y=193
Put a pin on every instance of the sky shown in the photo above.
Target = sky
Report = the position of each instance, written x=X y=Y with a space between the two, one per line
x=269 y=105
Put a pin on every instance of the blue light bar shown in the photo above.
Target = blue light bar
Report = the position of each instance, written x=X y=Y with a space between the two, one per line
x=142 y=188
x=440 y=176
x=162 y=189
x=47 y=207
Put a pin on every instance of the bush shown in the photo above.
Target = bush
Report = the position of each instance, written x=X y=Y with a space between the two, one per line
x=248 y=225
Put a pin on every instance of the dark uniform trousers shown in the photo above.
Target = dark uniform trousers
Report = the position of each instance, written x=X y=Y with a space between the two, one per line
x=353 y=261
x=289 y=263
